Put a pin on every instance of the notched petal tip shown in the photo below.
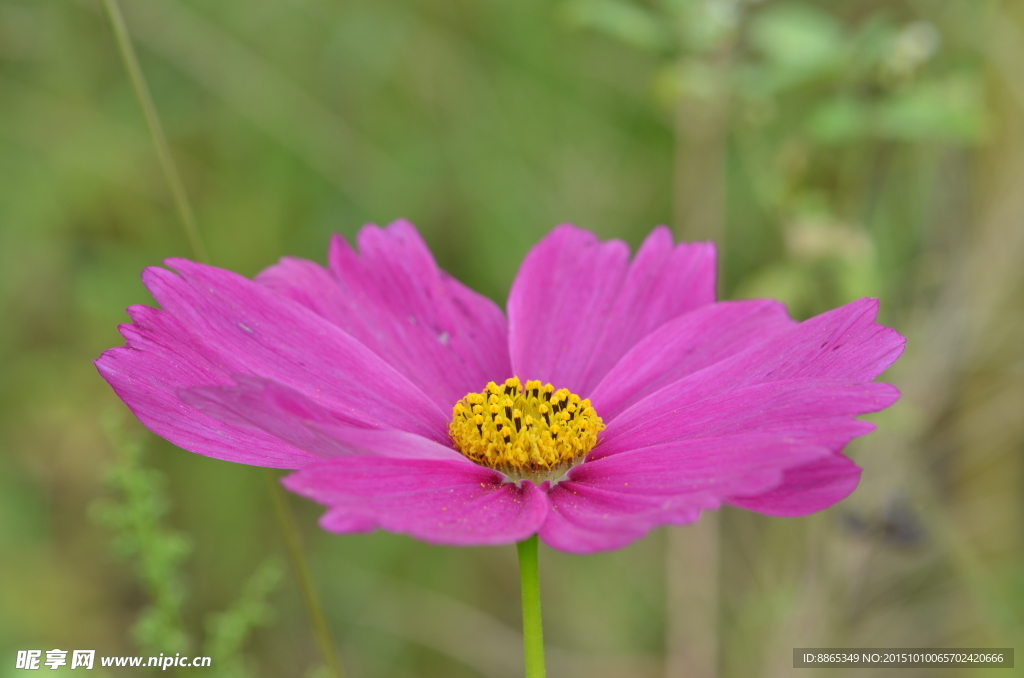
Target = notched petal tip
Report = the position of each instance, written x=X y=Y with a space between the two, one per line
x=805 y=489
x=604 y=305
x=156 y=275
x=403 y=226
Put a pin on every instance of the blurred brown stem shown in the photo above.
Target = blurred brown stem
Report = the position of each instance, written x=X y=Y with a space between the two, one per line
x=691 y=552
x=699 y=166
x=691 y=583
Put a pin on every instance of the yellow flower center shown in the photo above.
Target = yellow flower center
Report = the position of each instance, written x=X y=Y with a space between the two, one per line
x=535 y=433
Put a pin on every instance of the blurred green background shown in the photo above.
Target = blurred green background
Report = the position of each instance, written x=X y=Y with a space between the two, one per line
x=834 y=149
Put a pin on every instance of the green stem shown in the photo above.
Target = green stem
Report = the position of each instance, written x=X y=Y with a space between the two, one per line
x=533 y=632
x=314 y=610
x=156 y=130
x=321 y=631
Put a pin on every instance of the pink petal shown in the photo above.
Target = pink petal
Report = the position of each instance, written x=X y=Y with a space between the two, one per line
x=684 y=345
x=586 y=520
x=442 y=502
x=610 y=502
x=817 y=411
x=247 y=329
x=159 y=358
x=218 y=324
x=806 y=489
x=392 y=297
x=844 y=344
x=288 y=415
x=577 y=305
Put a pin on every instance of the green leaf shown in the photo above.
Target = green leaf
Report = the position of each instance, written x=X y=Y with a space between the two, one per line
x=797 y=37
x=624 y=21
x=949 y=110
x=228 y=631
x=840 y=120
x=692 y=79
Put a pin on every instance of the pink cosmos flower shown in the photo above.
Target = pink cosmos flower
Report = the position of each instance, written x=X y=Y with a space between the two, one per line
x=615 y=397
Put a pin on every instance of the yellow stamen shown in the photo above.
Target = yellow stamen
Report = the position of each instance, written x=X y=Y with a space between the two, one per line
x=534 y=432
